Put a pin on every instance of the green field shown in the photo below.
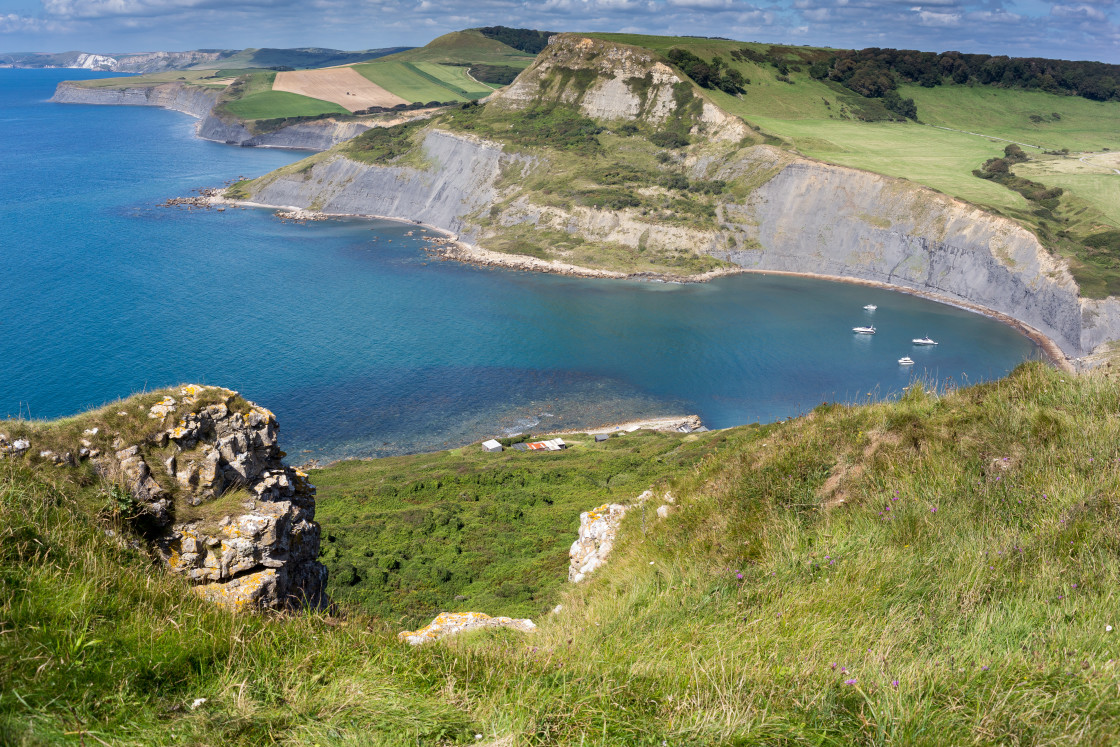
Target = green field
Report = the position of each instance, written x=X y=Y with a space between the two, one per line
x=418 y=75
x=456 y=77
x=937 y=570
x=272 y=104
x=400 y=79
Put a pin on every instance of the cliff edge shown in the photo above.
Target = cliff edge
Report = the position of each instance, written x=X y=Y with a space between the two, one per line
x=199 y=473
x=636 y=172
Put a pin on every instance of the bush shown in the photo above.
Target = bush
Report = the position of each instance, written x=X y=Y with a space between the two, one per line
x=669 y=139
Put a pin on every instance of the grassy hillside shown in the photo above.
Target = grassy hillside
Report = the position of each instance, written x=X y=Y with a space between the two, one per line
x=958 y=128
x=436 y=72
x=937 y=570
x=299 y=59
x=408 y=537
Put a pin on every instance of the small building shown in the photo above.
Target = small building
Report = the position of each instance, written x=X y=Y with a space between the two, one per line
x=555 y=444
x=601 y=437
x=491 y=445
x=520 y=446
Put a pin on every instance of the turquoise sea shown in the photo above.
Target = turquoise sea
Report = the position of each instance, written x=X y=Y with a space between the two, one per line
x=360 y=343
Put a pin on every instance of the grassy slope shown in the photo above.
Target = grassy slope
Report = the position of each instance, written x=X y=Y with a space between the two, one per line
x=974 y=563
x=407 y=536
x=404 y=73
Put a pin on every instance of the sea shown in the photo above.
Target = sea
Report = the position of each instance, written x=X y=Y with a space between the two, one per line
x=359 y=341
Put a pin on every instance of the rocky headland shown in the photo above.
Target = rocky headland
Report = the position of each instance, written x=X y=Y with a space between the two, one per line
x=789 y=214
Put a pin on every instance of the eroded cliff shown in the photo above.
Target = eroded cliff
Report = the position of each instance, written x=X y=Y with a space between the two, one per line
x=199 y=102
x=715 y=193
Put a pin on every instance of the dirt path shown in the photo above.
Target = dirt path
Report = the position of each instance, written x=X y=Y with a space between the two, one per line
x=344 y=86
x=980 y=134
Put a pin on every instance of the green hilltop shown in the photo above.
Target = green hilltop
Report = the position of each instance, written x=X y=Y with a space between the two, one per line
x=934 y=570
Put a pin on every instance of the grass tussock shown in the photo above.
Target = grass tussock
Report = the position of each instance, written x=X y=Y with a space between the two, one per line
x=959 y=592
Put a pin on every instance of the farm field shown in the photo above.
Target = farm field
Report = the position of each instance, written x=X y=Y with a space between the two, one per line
x=342 y=86
x=455 y=76
x=272 y=104
x=401 y=79
x=1092 y=182
x=939 y=159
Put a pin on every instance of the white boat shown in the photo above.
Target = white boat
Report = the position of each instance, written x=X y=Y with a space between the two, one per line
x=905 y=361
x=923 y=341
x=870 y=307
x=864 y=330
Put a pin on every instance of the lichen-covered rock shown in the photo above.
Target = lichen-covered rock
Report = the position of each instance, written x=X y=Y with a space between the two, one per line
x=597 y=531
x=450 y=623
x=224 y=509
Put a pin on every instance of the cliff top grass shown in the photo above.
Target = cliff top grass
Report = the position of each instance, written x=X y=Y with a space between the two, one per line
x=936 y=570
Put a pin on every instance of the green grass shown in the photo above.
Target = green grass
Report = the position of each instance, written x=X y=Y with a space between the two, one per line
x=408 y=537
x=465 y=46
x=270 y=104
x=963 y=587
x=401 y=79
x=456 y=78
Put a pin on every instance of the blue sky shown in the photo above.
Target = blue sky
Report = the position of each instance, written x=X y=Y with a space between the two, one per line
x=1070 y=29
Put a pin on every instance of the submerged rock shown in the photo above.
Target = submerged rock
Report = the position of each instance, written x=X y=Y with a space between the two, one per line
x=450 y=623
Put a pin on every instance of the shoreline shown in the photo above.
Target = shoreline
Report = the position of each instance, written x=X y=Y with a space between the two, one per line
x=453 y=249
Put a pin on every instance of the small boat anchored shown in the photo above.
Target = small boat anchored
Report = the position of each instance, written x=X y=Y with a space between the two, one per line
x=870 y=307
x=905 y=361
x=864 y=330
x=923 y=341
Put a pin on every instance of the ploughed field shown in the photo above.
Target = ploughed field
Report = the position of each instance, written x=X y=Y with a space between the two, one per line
x=342 y=86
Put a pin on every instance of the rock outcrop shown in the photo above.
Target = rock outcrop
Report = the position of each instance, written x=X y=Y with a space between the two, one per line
x=598 y=532
x=451 y=623
x=625 y=83
x=598 y=529
x=210 y=490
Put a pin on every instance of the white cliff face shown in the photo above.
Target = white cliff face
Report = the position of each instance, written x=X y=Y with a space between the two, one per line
x=95 y=62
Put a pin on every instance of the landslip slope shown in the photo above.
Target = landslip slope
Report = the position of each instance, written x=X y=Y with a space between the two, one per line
x=776 y=211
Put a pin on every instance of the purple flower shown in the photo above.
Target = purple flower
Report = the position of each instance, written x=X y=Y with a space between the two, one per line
x=739 y=576
x=852 y=681
x=834 y=666
x=1075 y=586
x=894 y=684
x=984 y=668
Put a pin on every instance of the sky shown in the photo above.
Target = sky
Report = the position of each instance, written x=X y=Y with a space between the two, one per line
x=1067 y=29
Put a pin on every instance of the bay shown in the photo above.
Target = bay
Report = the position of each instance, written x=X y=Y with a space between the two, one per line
x=358 y=341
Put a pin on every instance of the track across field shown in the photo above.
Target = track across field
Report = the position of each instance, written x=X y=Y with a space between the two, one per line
x=339 y=85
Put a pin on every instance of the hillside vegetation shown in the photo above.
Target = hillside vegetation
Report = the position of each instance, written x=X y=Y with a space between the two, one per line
x=935 y=570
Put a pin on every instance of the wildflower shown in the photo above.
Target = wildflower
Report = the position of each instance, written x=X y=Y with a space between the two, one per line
x=1108 y=628
x=834 y=663
x=739 y=576
x=984 y=668
x=1075 y=586
x=852 y=681
x=894 y=684
x=933 y=510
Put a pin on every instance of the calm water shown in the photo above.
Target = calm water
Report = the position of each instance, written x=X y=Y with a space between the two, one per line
x=358 y=342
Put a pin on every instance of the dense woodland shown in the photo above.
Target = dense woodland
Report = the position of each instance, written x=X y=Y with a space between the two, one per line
x=526 y=40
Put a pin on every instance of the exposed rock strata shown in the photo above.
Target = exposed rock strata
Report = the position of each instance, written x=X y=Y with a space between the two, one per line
x=462 y=181
x=199 y=103
x=212 y=492
x=452 y=623
x=598 y=529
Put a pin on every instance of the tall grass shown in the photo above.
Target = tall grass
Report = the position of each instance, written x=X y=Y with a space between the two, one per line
x=957 y=589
